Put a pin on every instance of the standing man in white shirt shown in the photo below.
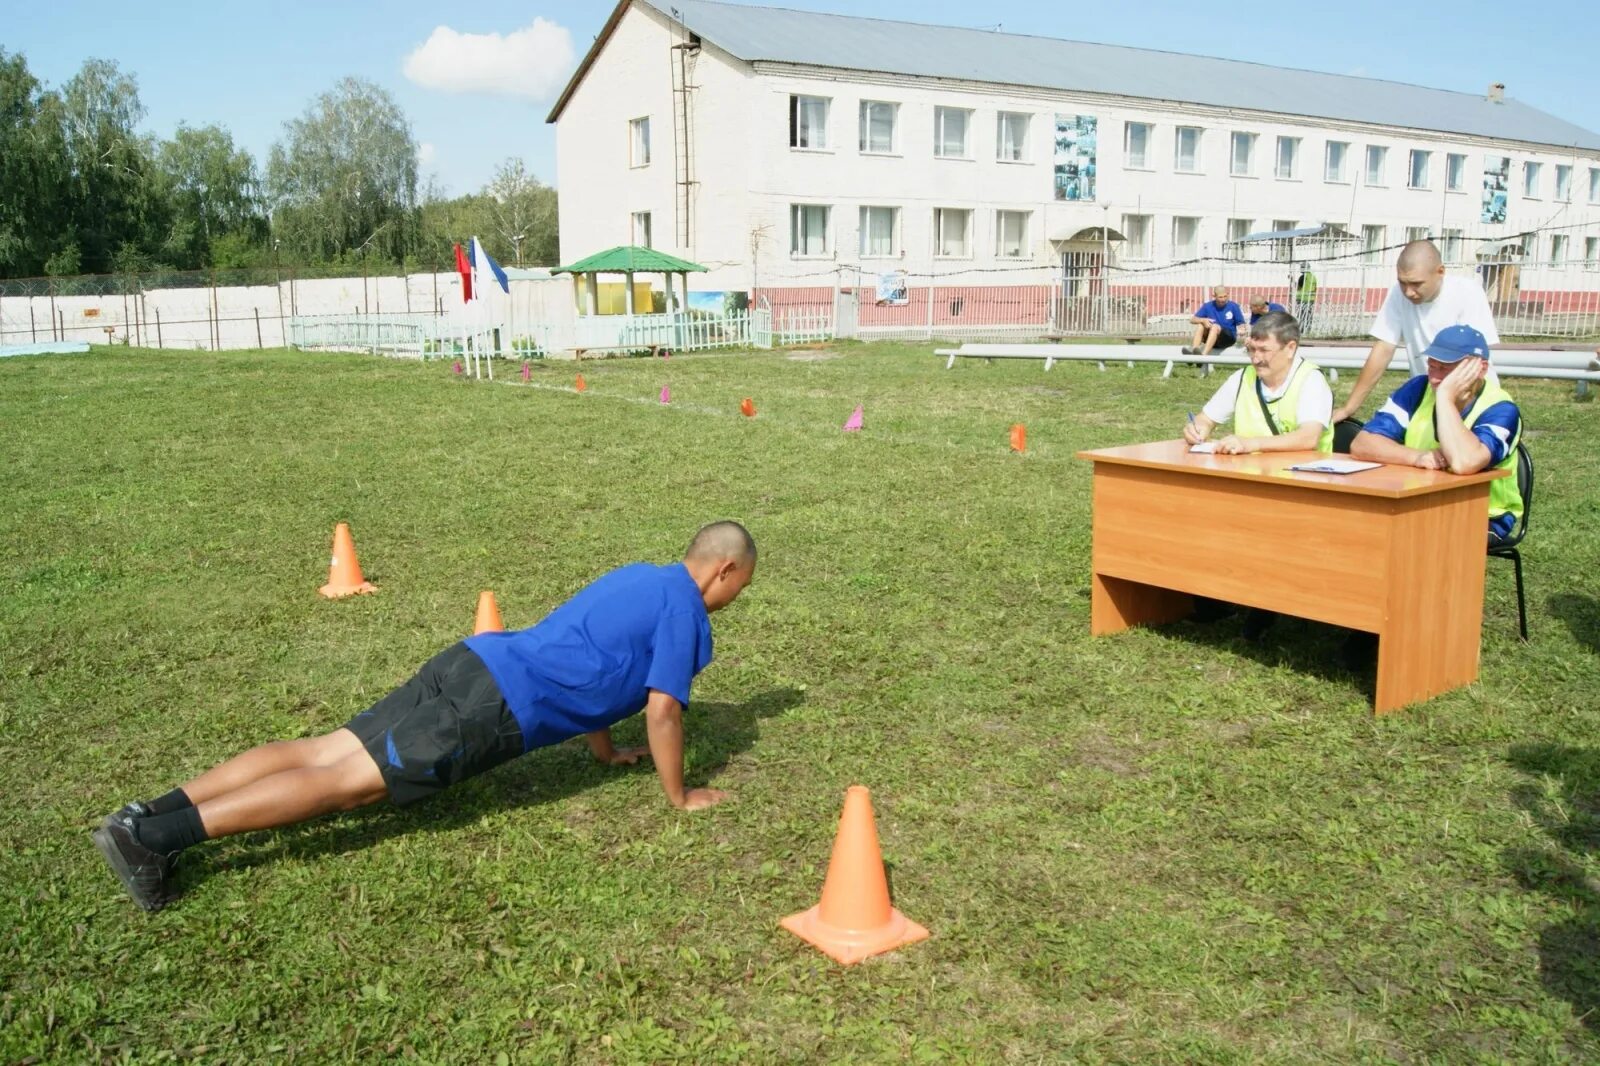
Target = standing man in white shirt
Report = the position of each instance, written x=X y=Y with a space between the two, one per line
x=1422 y=301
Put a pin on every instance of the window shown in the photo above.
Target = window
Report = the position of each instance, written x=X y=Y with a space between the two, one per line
x=1531 y=173
x=1137 y=229
x=1011 y=234
x=1186 y=150
x=1591 y=252
x=1564 y=182
x=1529 y=240
x=641 y=230
x=1136 y=145
x=1450 y=246
x=1372 y=243
x=1455 y=172
x=1594 y=185
x=1011 y=137
x=1238 y=230
x=878 y=121
x=952 y=232
x=1416 y=233
x=808 y=121
x=1335 y=161
x=1288 y=158
x=1558 y=249
x=638 y=142
x=1377 y=159
x=1280 y=225
x=950 y=125
x=880 y=226
x=808 y=229
x=1185 y=238
x=1417 y=176
x=1242 y=159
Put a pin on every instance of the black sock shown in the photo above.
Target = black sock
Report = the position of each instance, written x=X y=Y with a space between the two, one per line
x=167 y=833
x=176 y=800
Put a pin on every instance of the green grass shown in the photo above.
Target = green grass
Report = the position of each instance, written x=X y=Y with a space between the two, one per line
x=1163 y=846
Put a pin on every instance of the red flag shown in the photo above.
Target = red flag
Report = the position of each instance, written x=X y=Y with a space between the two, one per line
x=465 y=269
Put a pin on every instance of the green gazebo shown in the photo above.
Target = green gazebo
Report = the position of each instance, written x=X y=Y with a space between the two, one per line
x=628 y=259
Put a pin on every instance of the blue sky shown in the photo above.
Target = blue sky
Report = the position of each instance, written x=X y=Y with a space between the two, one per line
x=252 y=67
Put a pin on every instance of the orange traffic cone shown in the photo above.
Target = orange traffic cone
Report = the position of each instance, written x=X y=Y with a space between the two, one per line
x=344 y=573
x=581 y=383
x=855 y=919
x=747 y=407
x=1019 y=438
x=488 y=618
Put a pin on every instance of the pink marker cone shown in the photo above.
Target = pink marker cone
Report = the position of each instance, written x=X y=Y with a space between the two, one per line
x=853 y=423
x=666 y=394
x=527 y=374
x=457 y=368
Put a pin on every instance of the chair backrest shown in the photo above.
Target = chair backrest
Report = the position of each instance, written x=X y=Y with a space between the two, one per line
x=1525 y=489
x=1344 y=434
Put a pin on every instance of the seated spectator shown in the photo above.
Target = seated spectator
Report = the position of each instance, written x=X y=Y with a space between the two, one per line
x=1216 y=324
x=1260 y=305
x=1279 y=403
x=1455 y=417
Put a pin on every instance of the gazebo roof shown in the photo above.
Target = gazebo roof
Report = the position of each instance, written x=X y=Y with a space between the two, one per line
x=630 y=259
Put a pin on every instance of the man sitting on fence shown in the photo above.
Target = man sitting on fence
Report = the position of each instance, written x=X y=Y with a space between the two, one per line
x=1216 y=324
x=1261 y=306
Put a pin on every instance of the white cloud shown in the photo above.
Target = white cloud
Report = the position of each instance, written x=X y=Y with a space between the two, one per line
x=528 y=64
x=425 y=153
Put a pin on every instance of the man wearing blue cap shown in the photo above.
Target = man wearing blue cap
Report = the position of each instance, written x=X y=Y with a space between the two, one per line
x=1453 y=417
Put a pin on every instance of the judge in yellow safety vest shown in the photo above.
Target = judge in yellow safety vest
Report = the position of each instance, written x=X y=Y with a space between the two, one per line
x=1264 y=400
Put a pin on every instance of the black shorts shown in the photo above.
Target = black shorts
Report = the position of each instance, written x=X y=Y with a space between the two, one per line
x=445 y=725
x=1225 y=340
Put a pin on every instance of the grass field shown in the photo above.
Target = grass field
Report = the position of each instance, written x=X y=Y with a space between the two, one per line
x=1163 y=846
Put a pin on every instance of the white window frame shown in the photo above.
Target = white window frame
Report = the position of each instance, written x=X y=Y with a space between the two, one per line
x=939 y=214
x=1139 y=248
x=1564 y=188
x=864 y=131
x=1371 y=249
x=1558 y=249
x=1594 y=185
x=894 y=251
x=1194 y=155
x=1412 y=177
x=1591 y=253
x=797 y=128
x=1416 y=233
x=1128 y=160
x=639 y=142
x=1455 y=172
x=1192 y=249
x=1532 y=176
x=797 y=214
x=1341 y=174
x=1292 y=171
x=1022 y=149
x=1249 y=141
x=1381 y=158
x=634 y=227
x=1025 y=247
x=1450 y=244
x=941 y=116
x=1239 y=229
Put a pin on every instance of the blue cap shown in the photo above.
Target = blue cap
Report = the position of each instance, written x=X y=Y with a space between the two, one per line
x=1455 y=343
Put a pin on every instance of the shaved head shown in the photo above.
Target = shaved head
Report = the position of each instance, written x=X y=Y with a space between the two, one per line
x=720 y=541
x=1420 y=256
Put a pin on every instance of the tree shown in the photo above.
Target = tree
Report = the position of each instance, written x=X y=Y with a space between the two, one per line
x=212 y=193
x=343 y=181
x=524 y=213
x=114 y=201
x=35 y=210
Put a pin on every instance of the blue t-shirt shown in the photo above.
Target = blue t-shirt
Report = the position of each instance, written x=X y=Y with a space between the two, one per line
x=593 y=661
x=1497 y=426
x=1271 y=307
x=1228 y=316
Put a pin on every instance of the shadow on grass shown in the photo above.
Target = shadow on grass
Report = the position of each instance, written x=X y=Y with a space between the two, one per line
x=1304 y=646
x=713 y=732
x=1562 y=796
x=1582 y=616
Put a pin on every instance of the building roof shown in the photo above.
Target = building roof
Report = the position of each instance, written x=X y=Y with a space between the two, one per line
x=630 y=259
x=846 y=42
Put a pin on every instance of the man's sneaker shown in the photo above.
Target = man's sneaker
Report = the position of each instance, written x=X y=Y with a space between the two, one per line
x=1190 y=350
x=144 y=873
x=132 y=809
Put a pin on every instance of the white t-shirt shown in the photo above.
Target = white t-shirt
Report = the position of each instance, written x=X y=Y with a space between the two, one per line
x=1316 y=399
x=1460 y=302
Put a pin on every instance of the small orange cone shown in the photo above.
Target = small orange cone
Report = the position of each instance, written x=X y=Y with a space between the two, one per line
x=747 y=407
x=582 y=385
x=344 y=573
x=488 y=618
x=855 y=918
x=1019 y=438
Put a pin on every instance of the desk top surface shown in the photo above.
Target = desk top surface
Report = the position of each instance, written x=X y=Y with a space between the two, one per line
x=1392 y=481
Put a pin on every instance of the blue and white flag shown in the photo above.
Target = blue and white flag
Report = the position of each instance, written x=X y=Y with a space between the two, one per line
x=482 y=268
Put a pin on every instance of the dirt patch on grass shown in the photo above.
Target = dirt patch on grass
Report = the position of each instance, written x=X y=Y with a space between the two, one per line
x=1100 y=752
x=812 y=355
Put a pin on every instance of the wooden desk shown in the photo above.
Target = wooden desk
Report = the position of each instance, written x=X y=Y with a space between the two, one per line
x=1395 y=551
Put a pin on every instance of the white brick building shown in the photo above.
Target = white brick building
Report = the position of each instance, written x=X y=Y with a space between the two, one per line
x=787 y=150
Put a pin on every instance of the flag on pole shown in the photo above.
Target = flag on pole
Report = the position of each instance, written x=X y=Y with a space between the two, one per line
x=482 y=266
x=464 y=268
